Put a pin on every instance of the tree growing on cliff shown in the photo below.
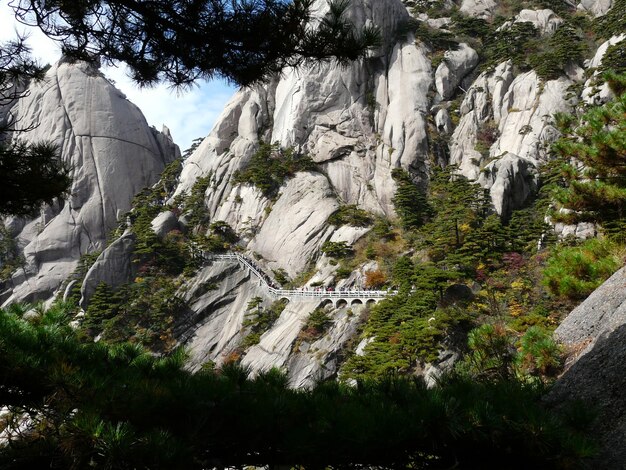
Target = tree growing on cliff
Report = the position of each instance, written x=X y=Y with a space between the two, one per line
x=180 y=42
x=31 y=173
x=593 y=149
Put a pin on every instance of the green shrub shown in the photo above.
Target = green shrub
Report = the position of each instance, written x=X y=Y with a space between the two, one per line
x=538 y=353
x=573 y=272
x=336 y=249
x=258 y=320
x=143 y=312
x=613 y=23
x=491 y=352
x=270 y=166
x=350 y=215
x=410 y=203
x=315 y=327
x=194 y=204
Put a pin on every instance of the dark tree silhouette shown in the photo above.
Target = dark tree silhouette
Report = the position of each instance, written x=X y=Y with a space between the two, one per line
x=31 y=173
x=180 y=41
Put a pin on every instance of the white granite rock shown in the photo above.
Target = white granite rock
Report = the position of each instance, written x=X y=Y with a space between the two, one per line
x=443 y=122
x=164 y=223
x=297 y=225
x=516 y=114
x=218 y=297
x=546 y=21
x=482 y=104
x=113 y=153
x=510 y=180
x=478 y=8
x=275 y=346
x=114 y=267
x=596 y=7
x=455 y=65
x=595 y=91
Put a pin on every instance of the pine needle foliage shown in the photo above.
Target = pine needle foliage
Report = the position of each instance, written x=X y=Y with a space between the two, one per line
x=183 y=41
x=80 y=405
x=575 y=271
x=593 y=155
x=270 y=166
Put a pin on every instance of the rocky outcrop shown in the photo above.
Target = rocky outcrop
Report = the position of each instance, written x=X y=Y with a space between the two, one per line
x=357 y=122
x=164 y=223
x=596 y=92
x=594 y=334
x=596 y=7
x=113 y=267
x=113 y=154
x=601 y=313
x=510 y=180
x=478 y=8
x=455 y=65
x=546 y=21
x=507 y=117
x=217 y=297
x=297 y=225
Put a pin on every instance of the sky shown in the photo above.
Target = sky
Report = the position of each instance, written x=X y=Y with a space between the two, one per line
x=188 y=115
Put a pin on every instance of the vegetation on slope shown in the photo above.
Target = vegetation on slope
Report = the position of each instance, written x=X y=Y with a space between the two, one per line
x=516 y=281
x=270 y=166
x=492 y=289
x=74 y=404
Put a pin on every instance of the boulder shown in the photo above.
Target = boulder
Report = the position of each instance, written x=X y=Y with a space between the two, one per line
x=455 y=65
x=601 y=313
x=594 y=334
x=164 y=223
x=113 y=267
x=478 y=8
x=596 y=7
x=443 y=121
x=510 y=180
x=546 y=21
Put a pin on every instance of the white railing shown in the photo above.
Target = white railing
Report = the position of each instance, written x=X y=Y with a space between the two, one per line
x=296 y=293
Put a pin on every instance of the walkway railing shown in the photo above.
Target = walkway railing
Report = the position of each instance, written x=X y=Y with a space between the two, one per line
x=294 y=293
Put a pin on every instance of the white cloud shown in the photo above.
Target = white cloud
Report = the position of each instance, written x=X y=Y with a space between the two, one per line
x=188 y=115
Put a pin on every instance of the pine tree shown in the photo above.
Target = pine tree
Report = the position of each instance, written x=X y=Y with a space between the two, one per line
x=593 y=150
x=32 y=174
x=180 y=42
x=409 y=201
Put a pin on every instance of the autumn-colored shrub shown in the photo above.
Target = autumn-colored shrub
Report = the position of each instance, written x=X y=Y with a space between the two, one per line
x=375 y=279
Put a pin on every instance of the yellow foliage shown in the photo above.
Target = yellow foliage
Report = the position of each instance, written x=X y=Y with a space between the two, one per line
x=515 y=309
x=465 y=228
x=375 y=279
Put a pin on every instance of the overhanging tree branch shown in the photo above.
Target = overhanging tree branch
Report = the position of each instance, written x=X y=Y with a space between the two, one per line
x=181 y=41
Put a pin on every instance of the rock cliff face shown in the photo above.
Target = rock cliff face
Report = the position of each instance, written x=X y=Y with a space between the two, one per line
x=113 y=154
x=357 y=123
x=594 y=335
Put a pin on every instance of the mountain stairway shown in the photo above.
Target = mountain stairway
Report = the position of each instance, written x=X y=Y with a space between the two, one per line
x=337 y=297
